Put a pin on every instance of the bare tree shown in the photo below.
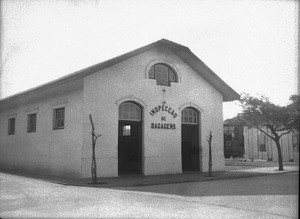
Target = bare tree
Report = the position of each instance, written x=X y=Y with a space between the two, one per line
x=209 y=139
x=94 y=164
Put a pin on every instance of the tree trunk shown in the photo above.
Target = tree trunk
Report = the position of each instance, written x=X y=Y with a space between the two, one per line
x=280 y=162
x=276 y=138
x=94 y=139
x=94 y=165
x=209 y=157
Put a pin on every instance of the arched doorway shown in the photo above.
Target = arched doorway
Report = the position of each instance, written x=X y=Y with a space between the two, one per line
x=190 y=153
x=130 y=139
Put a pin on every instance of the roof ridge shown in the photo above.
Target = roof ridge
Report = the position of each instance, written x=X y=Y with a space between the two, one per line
x=177 y=48
x=90 y=68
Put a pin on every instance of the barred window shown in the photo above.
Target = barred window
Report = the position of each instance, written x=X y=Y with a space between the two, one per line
x=189 y=116
x=11 y=126
x=163 y=74
x=31 y=123
x=126 y=130
x=129 y=111
x=59 y=118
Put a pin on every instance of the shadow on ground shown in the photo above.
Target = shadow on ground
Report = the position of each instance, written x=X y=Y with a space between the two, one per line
x=276 y=184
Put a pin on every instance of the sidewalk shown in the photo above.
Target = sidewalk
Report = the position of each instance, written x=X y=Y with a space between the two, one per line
x=128 y=181
x=232 y=171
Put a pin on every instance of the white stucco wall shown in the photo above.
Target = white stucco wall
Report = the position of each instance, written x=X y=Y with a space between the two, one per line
x=104 y=90
x=46 y=151
x=68 y=152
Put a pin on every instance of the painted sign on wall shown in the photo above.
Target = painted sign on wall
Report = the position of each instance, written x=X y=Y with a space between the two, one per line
x=163 y=108
x=162 y=124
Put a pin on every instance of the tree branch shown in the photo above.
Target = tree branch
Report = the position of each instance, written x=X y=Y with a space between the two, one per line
x=267 y=134
x=93 y=128
x=282 y=129
x=96 y=137
x=285 y=133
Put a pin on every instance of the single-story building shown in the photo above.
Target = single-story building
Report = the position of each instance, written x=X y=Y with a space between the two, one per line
x=154 y=108
x=259 y=146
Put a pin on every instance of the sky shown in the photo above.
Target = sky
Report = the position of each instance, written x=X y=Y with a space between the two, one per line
x=251 y=45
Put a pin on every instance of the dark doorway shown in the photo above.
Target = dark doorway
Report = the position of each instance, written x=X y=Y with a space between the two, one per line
x=130 y=139
x=190 y=140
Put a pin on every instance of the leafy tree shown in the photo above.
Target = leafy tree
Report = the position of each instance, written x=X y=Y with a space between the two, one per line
x=280 y=120
x=294 y=109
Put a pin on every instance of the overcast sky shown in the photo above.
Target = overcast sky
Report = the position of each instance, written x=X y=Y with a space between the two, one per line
x=251 y=45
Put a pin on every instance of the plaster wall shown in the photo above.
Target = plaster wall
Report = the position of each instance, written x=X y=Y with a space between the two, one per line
x=46 y=151
x=105 y=90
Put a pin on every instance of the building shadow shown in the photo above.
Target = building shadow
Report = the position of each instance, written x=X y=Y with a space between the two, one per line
x=275 y=184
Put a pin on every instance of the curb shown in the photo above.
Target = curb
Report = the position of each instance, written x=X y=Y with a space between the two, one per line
x=139 y=181
x=149 y=183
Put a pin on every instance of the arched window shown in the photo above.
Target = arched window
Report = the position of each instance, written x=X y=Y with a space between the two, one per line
x=189 y=116
x=163 y=74
x=129 y=111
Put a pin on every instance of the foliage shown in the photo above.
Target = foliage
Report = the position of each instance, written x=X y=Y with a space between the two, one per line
x=280 y=120
x=294 y=109
x=235 y=121
x=260 y=112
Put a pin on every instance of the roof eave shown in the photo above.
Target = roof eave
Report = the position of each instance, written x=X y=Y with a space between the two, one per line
x=228 y=93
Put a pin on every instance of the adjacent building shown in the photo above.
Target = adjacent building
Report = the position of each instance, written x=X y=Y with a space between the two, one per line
x=233 y=138
x=260 y=146
x=154 y=108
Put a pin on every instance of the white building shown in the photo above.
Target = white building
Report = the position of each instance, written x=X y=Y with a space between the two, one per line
x=154 y=107
x=260 y=146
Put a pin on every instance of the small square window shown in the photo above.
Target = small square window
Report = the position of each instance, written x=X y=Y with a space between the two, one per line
x=11 y=126
x=262 y=147
x=59 y=118
x=31 y=123
x=126 y=130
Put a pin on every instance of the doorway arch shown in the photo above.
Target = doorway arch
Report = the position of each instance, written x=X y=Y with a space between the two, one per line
x=130 y=139
x=190 y=150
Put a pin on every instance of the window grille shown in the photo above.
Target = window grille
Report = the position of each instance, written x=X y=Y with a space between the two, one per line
x=31 y=123
x=126 y=130
x=189 y=116
x=129 y=111
x=11 y=126
x=59 y=118
x=163 y=74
